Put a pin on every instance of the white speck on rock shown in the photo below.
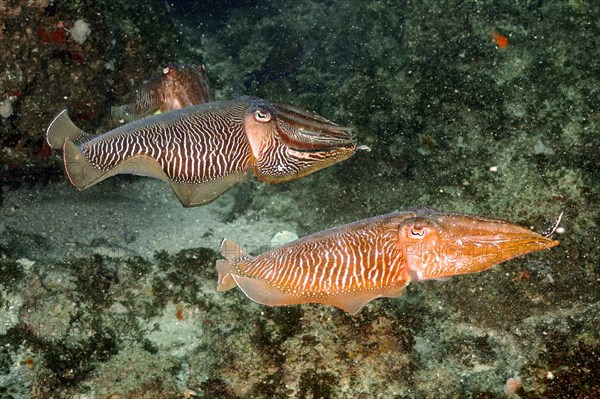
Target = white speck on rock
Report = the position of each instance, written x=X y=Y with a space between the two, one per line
x=6 y=108
x=80 y=31
x=540 y=148
x=283 y=237
x=25 y=262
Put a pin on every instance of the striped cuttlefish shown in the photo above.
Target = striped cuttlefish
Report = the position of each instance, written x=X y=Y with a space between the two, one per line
x=351 y=265
x=202 y=150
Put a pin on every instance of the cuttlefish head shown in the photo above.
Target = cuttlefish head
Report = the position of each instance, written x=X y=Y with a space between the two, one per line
x=288 y=142
x=438 y=245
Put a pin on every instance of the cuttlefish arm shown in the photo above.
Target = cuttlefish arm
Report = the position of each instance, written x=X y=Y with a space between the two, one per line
x=351 y=265
x=440 y=245
x=288 y=142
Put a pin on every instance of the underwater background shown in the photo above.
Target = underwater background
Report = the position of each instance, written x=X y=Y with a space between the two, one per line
x=490 y=107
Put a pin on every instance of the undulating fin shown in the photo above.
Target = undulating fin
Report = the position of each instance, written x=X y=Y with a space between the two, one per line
x=231 y=251
x=225 y=281
x=354 y=302
x=261 y=291
x=63 y=133
x=80 y=171
x=423 y=209
x=62 y=129
x=119 y=115
x=82 y=174
x=194 y=194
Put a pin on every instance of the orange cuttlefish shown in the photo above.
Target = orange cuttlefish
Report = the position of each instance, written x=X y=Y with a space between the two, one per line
x=202 y=150
x=174 y=87
x=351 y=265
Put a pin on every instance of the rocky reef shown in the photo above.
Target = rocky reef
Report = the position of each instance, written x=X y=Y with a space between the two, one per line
x=48 y=65
x=481 y=107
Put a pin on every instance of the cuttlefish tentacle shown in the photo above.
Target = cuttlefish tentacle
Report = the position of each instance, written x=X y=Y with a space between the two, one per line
x=288 y=143
x=550 y=230
x=310 y=131
x=202 y=150
x=351 y=265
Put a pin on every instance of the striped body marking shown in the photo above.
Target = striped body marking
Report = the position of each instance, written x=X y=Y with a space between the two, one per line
x=360 y=259
x=201 y=147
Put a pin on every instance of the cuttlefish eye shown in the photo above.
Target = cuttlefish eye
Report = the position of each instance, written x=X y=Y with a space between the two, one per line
x=261 y=115
x=417 y=231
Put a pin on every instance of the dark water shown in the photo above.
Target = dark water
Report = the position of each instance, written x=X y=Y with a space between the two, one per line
x=481 y=107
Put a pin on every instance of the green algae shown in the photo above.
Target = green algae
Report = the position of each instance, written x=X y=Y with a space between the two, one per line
x=314 y=384
x=12 y=274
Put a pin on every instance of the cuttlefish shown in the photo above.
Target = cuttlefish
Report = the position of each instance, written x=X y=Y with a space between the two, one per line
x=350 y=265
x=202 y=150
x=174 y=87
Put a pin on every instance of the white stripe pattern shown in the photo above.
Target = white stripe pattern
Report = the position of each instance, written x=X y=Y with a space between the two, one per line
x=348 y=259
x=192 y=148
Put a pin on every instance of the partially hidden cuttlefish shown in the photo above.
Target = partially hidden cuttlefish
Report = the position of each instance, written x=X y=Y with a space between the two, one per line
x=174 y=87
x=351 y=265
x=202 y=150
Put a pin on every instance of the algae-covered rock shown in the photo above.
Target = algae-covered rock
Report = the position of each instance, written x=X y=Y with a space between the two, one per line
x=487 y=107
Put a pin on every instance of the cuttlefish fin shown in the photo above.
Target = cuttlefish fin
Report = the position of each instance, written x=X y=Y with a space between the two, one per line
x=231 y=251
x=83 y=174
x=62 y=129
x=63 y=133
x=352 y=302
x=264 y=293
x=80 y=171
x=194 y=194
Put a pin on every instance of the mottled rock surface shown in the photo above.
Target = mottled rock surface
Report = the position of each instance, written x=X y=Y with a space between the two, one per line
x=487 y=107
